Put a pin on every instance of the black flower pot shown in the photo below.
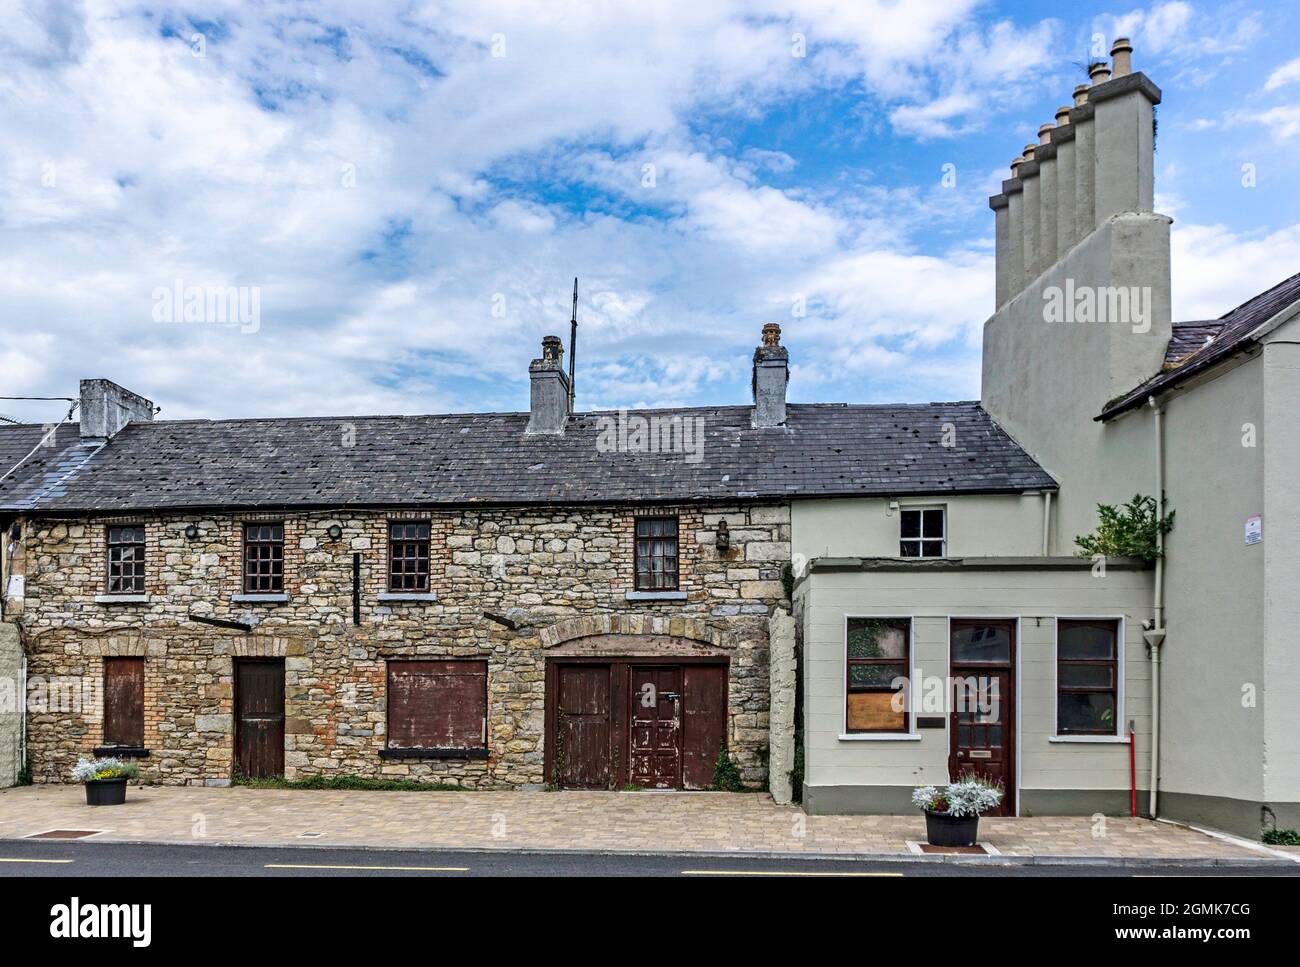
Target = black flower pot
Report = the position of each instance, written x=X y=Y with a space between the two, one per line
x=944 y=830
x=105 y=792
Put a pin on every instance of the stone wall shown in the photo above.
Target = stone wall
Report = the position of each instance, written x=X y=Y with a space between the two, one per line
x=556 y=574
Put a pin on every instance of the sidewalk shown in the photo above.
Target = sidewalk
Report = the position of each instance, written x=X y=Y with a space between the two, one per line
x=589 y=821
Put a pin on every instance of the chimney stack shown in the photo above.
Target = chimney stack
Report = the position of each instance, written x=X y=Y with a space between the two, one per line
x=1096 y=161
x=549 y=390
x=1063 y=141
x=106 y=407
x=771 y=374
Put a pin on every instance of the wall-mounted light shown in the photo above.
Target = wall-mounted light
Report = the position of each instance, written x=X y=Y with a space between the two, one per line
x=192 y=531
x=334 y=531
x=724 y=535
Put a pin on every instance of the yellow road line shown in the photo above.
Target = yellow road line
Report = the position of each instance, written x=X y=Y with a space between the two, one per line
x=782 y=873
x=324 y=866
x=19 y=859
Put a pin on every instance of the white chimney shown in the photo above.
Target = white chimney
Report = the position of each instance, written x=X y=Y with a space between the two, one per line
x=106 y=407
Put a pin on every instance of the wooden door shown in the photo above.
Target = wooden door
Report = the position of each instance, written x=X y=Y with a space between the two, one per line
x=124 y=702
x=982 y=729
x=704 y=722
x=259 y=725
x=582 y=748
x=655 y=715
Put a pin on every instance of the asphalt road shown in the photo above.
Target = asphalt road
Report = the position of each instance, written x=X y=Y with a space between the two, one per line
x=27 y=858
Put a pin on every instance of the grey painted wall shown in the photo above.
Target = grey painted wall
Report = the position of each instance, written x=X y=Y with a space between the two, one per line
x=12 y=695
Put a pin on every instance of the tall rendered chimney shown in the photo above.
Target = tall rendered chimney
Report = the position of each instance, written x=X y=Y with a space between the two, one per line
x=1085 y=163
x=1032 y=212
x=771 y=375
x=549 y=389
x=1063 y=140
x=1046 y=155
x=106 y=407
x=1125 y=132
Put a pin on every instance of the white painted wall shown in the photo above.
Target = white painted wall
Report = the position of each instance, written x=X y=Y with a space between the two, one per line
x=978 y=525
x=930 y=597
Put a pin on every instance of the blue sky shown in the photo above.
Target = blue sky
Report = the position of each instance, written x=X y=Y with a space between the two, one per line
x=412 y=188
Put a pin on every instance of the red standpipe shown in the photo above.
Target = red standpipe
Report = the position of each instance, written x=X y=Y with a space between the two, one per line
x=1132 y=771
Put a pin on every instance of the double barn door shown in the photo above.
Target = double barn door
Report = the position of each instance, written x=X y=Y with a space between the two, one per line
x=652 y=725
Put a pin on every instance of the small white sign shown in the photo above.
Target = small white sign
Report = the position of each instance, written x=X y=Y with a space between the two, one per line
x=1254 y=529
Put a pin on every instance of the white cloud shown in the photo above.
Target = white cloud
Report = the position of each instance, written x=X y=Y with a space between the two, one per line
x=1288 y=73
x=414 y=208
x=1215 y=269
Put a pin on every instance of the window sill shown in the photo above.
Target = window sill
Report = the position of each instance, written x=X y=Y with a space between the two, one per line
x=121 y=599
x=433 y=753
x=259 y=598
x=880 y=737
x=655 y=596
x=417 y=597
x=1089 y=739
x=122 y=751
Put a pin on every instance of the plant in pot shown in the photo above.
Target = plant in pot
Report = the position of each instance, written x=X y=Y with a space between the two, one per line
x=105 y=779
x=952 y=813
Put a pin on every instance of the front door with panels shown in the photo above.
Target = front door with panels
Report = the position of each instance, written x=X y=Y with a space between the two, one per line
x=982 y=729
x=259 y=719
x=655 y=729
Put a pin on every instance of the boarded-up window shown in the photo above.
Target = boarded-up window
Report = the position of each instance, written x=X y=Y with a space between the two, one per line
x=124 y=702
x=878 y=668
x=437 y=704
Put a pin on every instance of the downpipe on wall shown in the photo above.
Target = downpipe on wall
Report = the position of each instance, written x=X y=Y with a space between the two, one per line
x=1154 y=635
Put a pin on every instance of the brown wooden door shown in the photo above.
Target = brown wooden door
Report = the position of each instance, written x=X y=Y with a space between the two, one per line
x=581 y=756
x=704 y=722
x=124 y=702
x=982 y=729
x=655 y=700
x=259 y=727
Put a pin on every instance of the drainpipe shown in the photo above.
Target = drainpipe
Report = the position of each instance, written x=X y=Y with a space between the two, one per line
x=1155 y=635
x=1047 y=519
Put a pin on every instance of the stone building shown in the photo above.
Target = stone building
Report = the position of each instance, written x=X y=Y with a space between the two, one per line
x=486 y=600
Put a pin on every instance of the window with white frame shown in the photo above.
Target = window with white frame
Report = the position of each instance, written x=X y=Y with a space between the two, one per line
x=922 y=532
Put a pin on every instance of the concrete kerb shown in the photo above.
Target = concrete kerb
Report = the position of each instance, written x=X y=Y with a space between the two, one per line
x=1204 y=862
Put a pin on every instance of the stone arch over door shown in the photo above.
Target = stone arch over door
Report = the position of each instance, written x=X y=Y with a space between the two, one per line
x=692 y=633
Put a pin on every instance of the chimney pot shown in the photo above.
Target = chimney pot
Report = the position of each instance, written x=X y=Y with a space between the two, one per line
x=1080 y=95
x=771 y=374
x=1121 y=54
x=1062 y=115
x=549 y=389
x=1015 y=166
x=1029 y=152
x=106 y=407
x=1098 y=73
x=1044 y=133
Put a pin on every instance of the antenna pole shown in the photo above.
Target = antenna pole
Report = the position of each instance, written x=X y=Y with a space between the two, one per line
x=573 y=343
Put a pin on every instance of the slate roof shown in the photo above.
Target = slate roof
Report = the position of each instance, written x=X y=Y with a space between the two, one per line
x=825 y=450
x=1189 y=352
